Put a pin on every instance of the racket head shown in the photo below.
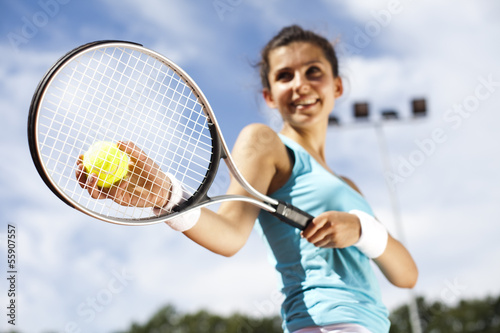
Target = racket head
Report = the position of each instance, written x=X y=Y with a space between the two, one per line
x=121 y=91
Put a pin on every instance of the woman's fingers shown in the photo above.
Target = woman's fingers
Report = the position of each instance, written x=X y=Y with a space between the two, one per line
x=88 y=181
x=81 y=175
x=313 y=231
x=95 y=191
x=143 y=166
x=332 y=229
x=144 y=186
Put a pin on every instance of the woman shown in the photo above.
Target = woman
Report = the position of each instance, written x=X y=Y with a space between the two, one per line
x=326 y=276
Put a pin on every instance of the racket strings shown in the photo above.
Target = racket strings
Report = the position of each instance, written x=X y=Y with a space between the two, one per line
x=118 y=94
x=101 y=100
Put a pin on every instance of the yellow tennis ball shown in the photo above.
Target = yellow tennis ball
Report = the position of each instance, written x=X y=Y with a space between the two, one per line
x=107 y=161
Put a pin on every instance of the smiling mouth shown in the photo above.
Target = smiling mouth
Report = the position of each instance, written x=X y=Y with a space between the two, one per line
x=304 y=103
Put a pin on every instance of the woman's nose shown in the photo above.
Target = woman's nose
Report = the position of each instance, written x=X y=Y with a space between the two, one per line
x=301 y=84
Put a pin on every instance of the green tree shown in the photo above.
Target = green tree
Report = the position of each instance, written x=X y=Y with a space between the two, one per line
x=164 y=320
x=167 y=319
x=474 y=316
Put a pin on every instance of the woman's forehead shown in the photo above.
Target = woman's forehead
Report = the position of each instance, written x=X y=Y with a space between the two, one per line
x=294 y=55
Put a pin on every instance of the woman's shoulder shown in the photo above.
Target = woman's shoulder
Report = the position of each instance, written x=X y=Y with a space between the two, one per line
x=260 y=139
x=261 y=130
x=259 y=147
x=259 y=143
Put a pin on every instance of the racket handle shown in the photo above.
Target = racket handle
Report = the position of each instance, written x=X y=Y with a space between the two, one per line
x=292 y=215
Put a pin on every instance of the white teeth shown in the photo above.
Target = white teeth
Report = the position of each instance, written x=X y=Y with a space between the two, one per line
x=305 y=102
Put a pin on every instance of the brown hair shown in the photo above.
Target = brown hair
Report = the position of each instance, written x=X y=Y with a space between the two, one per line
x=291 y=34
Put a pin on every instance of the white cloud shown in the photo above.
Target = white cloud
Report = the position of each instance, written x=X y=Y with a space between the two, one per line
x=173 y=27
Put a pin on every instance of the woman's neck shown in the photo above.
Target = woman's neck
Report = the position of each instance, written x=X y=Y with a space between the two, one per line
x=312 y=139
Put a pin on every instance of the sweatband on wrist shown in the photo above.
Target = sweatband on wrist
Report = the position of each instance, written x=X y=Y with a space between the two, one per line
x=177 y=195
x=185 y=221
x=374 y=235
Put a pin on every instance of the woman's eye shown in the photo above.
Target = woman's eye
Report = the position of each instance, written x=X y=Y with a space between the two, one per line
x=284 y=76
x=314 y=71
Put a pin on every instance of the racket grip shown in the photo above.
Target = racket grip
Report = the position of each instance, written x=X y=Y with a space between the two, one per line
x=292 y=215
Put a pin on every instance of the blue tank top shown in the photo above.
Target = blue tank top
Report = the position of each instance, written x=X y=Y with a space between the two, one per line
x=321 y=286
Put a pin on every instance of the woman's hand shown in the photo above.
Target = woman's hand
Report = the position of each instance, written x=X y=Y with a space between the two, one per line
x=144 y=186
x=333 y=229
x=339 y=229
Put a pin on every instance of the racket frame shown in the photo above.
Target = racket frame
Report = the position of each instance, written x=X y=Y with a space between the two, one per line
x=284 y=211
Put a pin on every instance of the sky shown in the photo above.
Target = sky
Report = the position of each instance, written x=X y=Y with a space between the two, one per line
x=77 y=274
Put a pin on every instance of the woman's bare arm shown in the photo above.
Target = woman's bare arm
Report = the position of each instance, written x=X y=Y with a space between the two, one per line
x=260 y=156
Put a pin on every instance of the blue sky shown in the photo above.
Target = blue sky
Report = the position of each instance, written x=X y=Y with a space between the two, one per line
x=76 y=272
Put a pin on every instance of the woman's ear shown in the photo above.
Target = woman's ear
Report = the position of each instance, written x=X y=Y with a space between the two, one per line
x=339 y=87
x=268 y=97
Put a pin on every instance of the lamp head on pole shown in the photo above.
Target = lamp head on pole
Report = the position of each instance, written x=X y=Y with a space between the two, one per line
x=361 y=111
x=419 y=107
x=390 y=115
x=333 y=120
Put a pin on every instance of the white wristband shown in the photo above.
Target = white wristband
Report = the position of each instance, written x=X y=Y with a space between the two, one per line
x=186 y=221
x=374 y=235
x=178 y=194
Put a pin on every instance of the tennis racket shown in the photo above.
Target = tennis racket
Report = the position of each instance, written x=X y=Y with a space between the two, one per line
x=122 y=91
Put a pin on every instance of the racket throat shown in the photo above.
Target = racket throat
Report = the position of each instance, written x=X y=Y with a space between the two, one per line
x=292 y=215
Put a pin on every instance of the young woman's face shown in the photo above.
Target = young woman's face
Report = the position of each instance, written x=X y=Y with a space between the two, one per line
x=302 y=85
